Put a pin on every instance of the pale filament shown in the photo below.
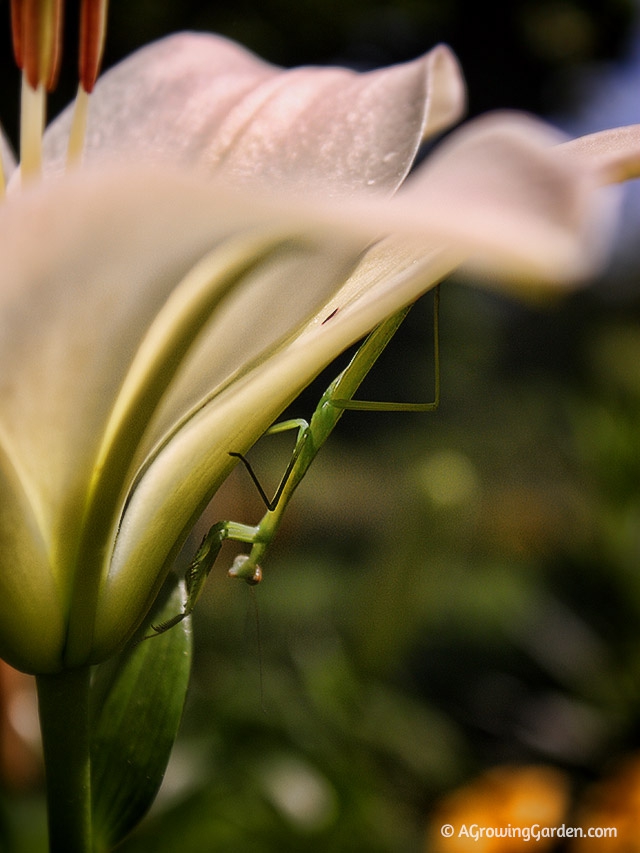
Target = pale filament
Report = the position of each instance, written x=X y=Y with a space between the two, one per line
x=32 y=121
x=78 y=128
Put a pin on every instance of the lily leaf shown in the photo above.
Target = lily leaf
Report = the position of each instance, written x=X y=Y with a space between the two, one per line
x=137 y=702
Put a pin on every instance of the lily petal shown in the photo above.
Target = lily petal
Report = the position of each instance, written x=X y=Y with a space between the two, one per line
x=518 y=209
x=29 y=596
x=74 y=315
x=614 y=154
x=201 y=100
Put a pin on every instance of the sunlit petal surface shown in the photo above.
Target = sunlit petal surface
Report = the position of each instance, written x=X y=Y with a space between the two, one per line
x=200 y=100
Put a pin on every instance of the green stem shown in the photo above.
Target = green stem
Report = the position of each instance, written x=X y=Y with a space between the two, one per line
x=63 y=702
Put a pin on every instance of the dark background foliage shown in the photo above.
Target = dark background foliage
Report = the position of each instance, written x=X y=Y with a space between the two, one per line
x=451 y=592
x=511 y=52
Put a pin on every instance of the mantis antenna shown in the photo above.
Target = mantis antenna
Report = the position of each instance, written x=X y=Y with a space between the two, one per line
x=312 y=435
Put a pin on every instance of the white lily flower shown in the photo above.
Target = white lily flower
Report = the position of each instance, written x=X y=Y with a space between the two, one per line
x=162 y=305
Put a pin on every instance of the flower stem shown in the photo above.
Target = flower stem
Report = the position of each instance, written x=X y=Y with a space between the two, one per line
x=63 y=702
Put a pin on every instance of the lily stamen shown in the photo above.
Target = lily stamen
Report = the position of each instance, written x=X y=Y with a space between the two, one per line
x=32 y=123
x=36 y=27
x=93 y=27
x=93 y=20
x=78 y=130
x=37 y=44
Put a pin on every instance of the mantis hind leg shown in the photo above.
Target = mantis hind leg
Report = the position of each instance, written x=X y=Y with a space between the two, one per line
x=379 y=406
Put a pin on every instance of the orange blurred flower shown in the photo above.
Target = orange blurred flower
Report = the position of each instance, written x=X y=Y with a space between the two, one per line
x=493 y=813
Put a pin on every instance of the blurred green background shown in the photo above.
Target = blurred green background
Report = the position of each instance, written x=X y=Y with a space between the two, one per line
x=453 y=592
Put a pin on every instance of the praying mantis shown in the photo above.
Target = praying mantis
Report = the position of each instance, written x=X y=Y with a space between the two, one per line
x=310 y=438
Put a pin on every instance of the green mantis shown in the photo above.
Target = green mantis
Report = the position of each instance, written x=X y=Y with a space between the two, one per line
x=311 y=436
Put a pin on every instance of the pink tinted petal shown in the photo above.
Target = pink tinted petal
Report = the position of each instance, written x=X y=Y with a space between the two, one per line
x=614 y=154
x=499 y=191
x=88 y=265
x=201 y=100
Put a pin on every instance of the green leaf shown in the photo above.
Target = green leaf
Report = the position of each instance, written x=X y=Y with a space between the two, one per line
x=136 y=706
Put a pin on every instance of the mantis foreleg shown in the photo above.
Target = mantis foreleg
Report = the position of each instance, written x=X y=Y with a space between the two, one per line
x=199 y=568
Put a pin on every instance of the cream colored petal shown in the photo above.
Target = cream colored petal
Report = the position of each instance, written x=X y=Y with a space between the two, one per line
x=32 y=629
x=88 y=265
x=614 y=154
x=185 y=472
x=203 y=100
